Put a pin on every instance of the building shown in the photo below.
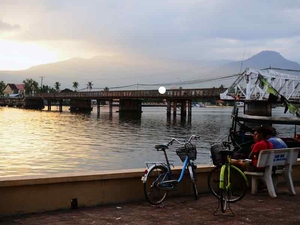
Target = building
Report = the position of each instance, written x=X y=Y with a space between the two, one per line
x=14 y=89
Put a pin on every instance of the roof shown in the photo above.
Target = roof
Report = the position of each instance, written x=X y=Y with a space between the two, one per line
x=17 y=87
x=20 y=87
x=267 y=119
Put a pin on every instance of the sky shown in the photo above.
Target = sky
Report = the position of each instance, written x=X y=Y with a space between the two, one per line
x=39 y=32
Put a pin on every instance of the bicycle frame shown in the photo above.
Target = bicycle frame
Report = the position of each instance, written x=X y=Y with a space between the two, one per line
x=184 y=166
x=168 y=167
x=228 y=166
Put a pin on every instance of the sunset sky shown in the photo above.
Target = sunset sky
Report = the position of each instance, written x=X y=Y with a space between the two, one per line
x=36 y=32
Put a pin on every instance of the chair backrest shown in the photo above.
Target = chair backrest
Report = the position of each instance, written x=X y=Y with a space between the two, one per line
x=277 y=157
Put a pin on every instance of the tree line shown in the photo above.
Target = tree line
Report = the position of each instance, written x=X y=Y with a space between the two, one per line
x=32 y=86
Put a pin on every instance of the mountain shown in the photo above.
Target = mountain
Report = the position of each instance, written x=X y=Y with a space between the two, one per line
x=138 y=72
x=111 y=71
x=265 y=59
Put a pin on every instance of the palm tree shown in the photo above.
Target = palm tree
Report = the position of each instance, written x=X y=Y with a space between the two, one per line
x=75 y=85
x=57 y=86
x=89 y=85
x=30 y=86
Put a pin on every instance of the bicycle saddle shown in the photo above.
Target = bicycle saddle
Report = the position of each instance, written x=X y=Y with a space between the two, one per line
x=160 y=147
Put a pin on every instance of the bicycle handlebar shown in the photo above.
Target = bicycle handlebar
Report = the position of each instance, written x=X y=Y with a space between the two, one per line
x=184 y=141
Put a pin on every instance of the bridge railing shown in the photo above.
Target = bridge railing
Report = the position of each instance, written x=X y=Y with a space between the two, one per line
x=172 y=93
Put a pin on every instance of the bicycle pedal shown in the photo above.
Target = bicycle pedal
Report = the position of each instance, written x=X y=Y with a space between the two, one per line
x=171 y=182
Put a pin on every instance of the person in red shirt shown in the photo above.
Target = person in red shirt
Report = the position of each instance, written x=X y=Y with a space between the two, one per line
x=261 y=143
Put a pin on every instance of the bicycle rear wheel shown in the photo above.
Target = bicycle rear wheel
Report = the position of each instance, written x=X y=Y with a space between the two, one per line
x=153 y=193
x=238 y=186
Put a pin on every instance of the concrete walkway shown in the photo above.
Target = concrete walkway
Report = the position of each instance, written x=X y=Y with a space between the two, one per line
x=258 y=209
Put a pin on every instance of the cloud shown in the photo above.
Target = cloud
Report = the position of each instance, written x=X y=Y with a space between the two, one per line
x=190 y=29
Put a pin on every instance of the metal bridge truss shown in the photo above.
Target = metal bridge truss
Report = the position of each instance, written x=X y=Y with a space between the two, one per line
x=248 y=86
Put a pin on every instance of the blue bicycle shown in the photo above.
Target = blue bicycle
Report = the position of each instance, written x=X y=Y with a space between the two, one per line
x=158 y=179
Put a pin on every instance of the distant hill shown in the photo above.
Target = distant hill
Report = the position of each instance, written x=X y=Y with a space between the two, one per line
x=111 y=71
x=114 y=71
x=265 y=59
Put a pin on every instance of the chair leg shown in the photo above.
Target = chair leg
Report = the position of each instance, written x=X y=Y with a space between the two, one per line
x=254 y=183
x=270 y=186
x=289 y=180
x=275 y=182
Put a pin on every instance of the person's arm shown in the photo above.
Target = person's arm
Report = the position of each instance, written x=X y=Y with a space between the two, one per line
x=251 y=155
x=254 y=150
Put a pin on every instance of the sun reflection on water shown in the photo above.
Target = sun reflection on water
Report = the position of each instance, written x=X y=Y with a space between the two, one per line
x=41 y=142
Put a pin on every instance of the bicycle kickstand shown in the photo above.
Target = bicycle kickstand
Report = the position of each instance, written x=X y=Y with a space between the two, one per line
x=218 y=214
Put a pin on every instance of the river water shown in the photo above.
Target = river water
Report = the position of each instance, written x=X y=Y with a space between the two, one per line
x=43 y=143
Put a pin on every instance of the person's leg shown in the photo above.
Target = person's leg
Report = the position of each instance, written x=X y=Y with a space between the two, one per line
x=238 y=163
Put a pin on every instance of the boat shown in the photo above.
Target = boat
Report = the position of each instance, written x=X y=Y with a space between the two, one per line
x=243 y=127
x=260 y=91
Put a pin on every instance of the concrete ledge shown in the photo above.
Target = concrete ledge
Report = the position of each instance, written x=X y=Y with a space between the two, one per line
x=30 y=194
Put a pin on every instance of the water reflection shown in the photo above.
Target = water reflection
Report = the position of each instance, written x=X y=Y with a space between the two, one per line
x=43 y=142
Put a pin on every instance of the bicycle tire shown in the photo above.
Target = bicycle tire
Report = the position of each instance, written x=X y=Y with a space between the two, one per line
x=238 y=184
x=224 y=192
x=194 y=181
x=153 y=193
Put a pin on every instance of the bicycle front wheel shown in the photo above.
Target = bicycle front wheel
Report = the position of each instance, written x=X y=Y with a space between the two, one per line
x=225 y=191
x=153 y=193
x=237 y=189
x=193 y=180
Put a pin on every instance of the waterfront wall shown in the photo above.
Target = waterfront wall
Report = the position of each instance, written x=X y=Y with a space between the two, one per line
x=47 y=193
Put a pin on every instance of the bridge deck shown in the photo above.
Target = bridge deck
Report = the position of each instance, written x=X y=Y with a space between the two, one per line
x=137 y=94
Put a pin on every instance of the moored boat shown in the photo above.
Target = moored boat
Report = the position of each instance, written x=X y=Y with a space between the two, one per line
x=243 y=127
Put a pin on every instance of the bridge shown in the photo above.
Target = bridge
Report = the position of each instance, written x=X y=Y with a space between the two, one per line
x=251 y=85
x=131 y=100
x=258 y=84
x=259 y=89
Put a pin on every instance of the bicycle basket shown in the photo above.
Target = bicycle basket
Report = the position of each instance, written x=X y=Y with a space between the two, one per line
x=188 y=149
x=216 y=157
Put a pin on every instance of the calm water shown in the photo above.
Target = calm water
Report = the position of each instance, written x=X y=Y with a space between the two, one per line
x=42 y=142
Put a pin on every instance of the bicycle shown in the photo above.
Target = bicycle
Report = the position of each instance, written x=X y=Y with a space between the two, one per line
x=158 y=179
x=220 y=181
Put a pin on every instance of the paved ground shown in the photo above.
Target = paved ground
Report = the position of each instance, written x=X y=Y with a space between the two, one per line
x=258 y=209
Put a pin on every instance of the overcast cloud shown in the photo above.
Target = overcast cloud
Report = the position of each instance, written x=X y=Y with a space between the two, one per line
x=181 y=29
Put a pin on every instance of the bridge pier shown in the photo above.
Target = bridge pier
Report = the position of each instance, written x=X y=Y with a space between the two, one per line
x=33 y=103
x=189 y=110
x=174 y=108
x=49 y=105
x=60 y=105
x=98 y=108
x=110 y=106
x=130 y=105
x=168 y=108
x=184 y=106
x=80 y=105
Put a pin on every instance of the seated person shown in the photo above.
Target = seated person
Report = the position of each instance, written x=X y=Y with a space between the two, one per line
x=260 y=143
x=276 y=141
